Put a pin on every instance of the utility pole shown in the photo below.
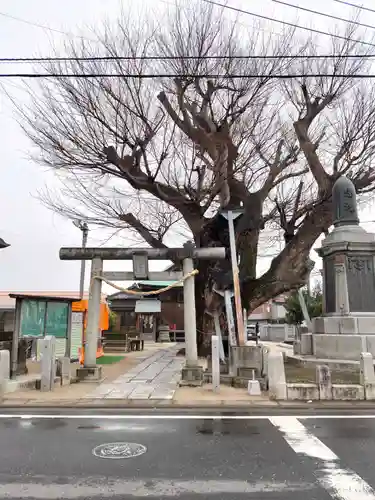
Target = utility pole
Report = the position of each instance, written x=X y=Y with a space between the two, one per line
x=85 y=231
x=230 y=215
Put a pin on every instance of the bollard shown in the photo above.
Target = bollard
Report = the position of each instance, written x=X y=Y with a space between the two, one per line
x=215 y=363
x=63 y=370
x=367 y=375
x=4 y=370
x=47 y=364
x=276 y=376
x=323 y=379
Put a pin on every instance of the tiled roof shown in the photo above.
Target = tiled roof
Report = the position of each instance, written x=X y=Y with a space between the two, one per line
x=7 y=302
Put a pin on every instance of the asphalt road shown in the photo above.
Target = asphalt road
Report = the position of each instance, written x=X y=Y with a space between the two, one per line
x=187 y=457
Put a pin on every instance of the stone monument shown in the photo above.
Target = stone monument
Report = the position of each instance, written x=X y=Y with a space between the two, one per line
x=347 y=326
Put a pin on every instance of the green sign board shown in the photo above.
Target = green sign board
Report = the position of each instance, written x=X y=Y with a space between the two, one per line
x=33 y=315
x=40 y=318
x=57 y=319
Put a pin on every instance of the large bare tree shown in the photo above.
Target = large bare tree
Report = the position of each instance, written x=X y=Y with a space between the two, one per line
x=218 y=131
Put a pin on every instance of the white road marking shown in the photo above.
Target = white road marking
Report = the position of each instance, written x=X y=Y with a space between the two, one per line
x=91 y=487
x=133 y=416
x=341 y=483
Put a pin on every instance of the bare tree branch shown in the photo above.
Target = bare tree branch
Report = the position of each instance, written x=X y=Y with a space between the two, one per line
x=153 y=155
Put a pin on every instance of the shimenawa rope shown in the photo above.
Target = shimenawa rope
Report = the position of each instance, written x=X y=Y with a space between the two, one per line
x=152 y=292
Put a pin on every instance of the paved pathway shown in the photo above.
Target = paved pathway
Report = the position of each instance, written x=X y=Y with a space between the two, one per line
x=156 y=377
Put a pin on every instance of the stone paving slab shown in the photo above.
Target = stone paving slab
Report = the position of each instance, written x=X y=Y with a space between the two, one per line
x=156 y=377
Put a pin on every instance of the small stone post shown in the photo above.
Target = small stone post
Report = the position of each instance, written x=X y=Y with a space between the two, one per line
x=92 y=330
x=48 y=365
x=215 y=363
x=4 y=369
x=276 y=376
x=367 y=375
x=63 y=370
x=324 y=381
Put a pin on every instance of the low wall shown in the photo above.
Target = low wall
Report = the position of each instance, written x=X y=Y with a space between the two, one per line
x=277 y=332
x=338 y=346
x=247 y=358
x=323 y=389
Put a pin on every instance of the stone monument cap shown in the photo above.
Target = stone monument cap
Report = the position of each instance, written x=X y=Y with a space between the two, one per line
x=344 y=200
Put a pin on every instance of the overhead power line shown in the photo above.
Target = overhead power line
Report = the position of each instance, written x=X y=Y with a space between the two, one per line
x=324 y=15
x=179 y=57
x=37 y=25
x=144 y=76
x=360 y=7
x=286 y=23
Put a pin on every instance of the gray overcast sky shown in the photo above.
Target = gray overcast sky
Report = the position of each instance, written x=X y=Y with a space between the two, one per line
x=36 y=234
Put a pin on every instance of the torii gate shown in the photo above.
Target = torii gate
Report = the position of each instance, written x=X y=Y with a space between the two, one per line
x=192 y=373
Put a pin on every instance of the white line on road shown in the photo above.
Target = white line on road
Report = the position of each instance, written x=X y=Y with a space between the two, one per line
x=133 y=416
x=341 y=483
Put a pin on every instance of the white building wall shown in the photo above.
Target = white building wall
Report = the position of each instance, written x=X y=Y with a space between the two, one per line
x=278 y=311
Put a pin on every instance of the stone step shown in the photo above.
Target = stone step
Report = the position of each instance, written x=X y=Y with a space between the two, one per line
x=114 y=342
x=115 y=349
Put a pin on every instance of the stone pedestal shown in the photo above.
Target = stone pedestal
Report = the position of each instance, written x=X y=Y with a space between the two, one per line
x=89 y=374
x=191 y=376
x=348 y=254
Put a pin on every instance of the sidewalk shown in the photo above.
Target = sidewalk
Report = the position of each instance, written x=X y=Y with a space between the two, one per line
x=148 y=379
x=75 y=392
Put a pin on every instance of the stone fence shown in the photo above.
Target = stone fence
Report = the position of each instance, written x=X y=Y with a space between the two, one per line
x=53 y=371
x=277 y=332
x=323 y=389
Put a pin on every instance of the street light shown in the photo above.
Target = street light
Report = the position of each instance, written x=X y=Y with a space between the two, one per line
x=3 y=244
x=82 y=225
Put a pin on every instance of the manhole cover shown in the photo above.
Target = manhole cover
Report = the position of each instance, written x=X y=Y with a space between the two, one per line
x=119 y=450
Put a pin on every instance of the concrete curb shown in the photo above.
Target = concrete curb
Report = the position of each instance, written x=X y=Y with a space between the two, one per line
x=218 y=405
x=116 y=403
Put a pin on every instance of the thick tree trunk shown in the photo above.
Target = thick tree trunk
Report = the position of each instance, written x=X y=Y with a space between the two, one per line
x=219 y=274
x=288 y=271
x=205 y=298
x=291 y=268
x=205 y=326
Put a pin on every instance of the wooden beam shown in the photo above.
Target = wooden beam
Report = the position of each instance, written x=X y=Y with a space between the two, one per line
x=152 y=276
